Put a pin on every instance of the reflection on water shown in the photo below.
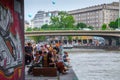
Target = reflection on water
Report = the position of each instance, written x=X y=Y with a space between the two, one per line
x=96 y=64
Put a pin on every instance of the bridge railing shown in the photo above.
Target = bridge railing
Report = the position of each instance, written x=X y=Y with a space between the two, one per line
x=57 y=29
x=99 y=47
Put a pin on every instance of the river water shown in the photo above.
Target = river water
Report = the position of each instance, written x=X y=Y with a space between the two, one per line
x=95 y=64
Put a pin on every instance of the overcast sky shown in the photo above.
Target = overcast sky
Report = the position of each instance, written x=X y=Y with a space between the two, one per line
x=32 y=6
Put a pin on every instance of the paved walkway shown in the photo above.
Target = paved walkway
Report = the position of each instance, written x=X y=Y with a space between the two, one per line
x=69 y=76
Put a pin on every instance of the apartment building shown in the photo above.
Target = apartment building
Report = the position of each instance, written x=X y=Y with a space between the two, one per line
x=96 y=15
x=26 y=25
x=37 y=21
x=42 y=17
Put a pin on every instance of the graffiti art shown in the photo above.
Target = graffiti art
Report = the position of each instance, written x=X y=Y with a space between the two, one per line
x=11 y=51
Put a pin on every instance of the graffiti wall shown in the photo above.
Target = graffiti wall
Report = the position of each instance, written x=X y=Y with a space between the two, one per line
x=11 y=39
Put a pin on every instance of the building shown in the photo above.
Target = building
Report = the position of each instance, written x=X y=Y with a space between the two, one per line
x=48 y=15
x=26 y=25
x=37 y=21
x=42 y=18
x=96 y=15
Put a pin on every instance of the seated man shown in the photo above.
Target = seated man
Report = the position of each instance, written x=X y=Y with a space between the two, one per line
x=66 y=59
x=52 y=62
x=37 y=62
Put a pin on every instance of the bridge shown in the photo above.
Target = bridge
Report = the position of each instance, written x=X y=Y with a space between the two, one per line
x=109 y=36
x=73 y=33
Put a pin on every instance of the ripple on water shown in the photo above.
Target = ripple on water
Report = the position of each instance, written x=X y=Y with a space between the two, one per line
x=96 y=66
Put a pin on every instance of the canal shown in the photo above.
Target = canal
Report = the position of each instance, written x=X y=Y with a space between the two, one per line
x=95 y=64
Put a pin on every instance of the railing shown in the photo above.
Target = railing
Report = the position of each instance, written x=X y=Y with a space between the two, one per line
x=86 y=29
x=99 y=47
x=73 y=33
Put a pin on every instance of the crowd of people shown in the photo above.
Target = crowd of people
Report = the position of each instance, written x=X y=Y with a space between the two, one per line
x=46 y=55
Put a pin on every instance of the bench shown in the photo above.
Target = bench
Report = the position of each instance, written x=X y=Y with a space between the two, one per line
x=44 y=71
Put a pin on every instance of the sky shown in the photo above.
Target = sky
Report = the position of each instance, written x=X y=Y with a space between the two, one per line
x=32 y=6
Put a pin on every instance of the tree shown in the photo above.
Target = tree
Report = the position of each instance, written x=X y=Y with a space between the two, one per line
x=91 y=27
x=117 y=23
x=63 y=20
x=38 y=38
x=45 y=26
x=70 y=38
x=113 y=25
x=81 y=25
x=29 y=29
x=104 y=27
x=36 y=29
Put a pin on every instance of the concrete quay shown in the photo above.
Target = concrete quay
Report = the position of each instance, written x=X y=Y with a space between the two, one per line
x=70 y=75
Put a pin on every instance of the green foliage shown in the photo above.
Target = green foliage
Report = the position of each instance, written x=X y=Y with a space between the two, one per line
x=45 y=26
x=91 y=27
x=55 y=21
x=70 y=38
x=113 y=25
x=81 y=25
x=37 y=38
x=117 y=23
x=29 y=29
x=104 y=27
x=33 y=29
x=36 y=29
x=63 y=20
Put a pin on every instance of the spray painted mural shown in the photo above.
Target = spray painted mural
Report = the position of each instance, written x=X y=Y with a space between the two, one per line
x=11 y=40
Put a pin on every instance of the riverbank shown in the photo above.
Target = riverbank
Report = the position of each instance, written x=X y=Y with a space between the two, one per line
x=90 y=50
x=98 y=47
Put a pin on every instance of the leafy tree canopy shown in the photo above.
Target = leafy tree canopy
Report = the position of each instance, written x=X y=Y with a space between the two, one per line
x=117 y=23
x=45 y=26
x=29 y=29
x=81 y=25
x=63 y=20
x=38 y=38
x=113 y=25
x=104 y=27
x=36 y=29
x=91 y=27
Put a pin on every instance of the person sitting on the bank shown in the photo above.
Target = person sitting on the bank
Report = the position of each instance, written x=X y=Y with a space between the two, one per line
x=39 y=59
x=61 y=68
x=52 y=62
x=38 y=62
x=51 y=59
x=45 y=61
x=56 y=47
x=66 y=59
x=54 y=57
x=59 y=64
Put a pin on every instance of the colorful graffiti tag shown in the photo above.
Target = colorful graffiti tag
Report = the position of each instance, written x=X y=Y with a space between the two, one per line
x=11 y=40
